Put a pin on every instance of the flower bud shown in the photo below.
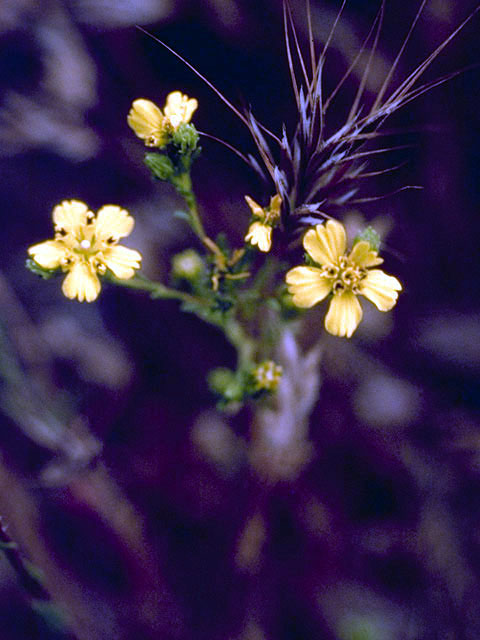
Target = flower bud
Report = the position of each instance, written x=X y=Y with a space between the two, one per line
x=187 y=265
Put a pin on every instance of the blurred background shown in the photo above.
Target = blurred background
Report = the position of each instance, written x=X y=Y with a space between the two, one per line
x=143 y=508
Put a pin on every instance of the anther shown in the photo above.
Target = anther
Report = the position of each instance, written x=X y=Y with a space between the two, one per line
x=349 y=276
x=331 y=271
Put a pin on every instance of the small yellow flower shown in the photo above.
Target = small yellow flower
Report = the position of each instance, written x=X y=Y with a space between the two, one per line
x=179 y=109
x=261 y=235
x=346 y=276
x=267 y=375
x=85 y=245
x=260 y=231
x=154 y=126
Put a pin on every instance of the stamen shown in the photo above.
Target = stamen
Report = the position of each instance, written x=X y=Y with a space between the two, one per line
x=349 y=276
x=331 y=271
x=338 y=286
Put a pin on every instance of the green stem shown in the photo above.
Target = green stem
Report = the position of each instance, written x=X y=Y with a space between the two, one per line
x=156 y=289
x=183 y=184
x=244 y=345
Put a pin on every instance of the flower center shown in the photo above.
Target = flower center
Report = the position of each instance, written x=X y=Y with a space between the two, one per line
x=344 y=276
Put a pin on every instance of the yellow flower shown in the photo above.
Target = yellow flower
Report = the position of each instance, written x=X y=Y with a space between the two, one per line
x=267 y=375
x=261 y=235
x=85 y=245
x=179 y=108
x=260 y=231
x=154 y=126
x=346 y=276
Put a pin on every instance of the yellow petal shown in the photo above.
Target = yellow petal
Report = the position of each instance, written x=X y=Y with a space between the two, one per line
x=81 y=283
x=48 y=254
x=364 y=256
x=275 y=204
x=257 y=210
x=113 y=222
x=261 y=235
x=71 y=216
x=122 y=261
x=307 y=286
x=326 y=243
x=147 y=120
x=344 y=315
x=380 y=289
x=179 y=108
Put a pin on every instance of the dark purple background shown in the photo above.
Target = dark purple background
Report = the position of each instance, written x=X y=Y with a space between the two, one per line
x=379 y=533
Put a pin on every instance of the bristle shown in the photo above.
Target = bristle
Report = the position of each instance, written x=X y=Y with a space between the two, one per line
x=332 y=30
x=197 y=73
x=372 y=152
x=351 y=67
x=386 y=195
x=289 y=55
x=311 y=40
x=262 y=145
x=256 y=166
x=229 y=146
x=373 y=174
x=387 y=80
x=316 y=90
x=354 y=108
x=420 y=70
x=297 y=44
x=413 y=95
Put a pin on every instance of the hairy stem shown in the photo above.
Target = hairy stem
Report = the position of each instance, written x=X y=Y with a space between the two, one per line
x=183 y=184
x=155 y=289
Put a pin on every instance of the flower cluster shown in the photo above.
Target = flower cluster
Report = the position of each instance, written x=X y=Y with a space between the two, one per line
x=344 y=276
x=267 y=375
x=155 y=126
x=85 y=246
x=260 y=231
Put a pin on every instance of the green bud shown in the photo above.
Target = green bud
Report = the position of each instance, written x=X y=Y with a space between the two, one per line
x=187 y=265
x=368 y=235
x=35 y=268
x=220 y=380
x=185 y=138
x=289 y=310
x=160 y=165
